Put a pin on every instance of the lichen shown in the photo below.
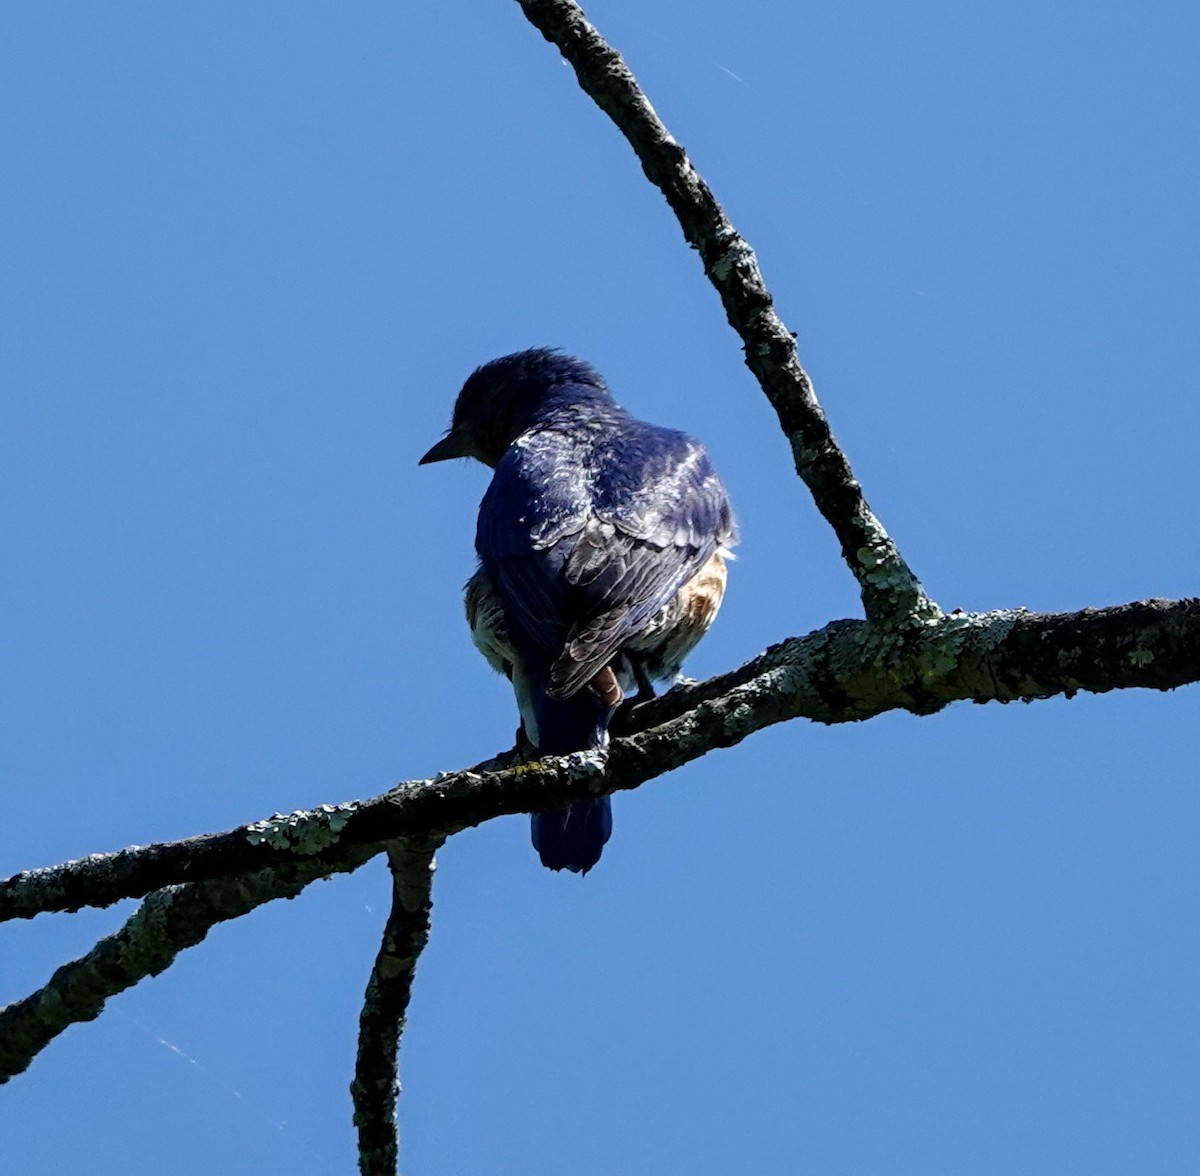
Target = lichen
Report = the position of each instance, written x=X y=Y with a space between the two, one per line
x=739 y=720
x=581 y=764
x=307 y=831
x=950 y=637
x=737 y=253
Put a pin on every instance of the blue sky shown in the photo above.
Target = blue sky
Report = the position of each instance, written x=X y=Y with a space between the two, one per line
x=251 y=252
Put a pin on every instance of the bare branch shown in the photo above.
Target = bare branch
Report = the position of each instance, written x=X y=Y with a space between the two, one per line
x=165 y=924
x=890 y=591
x=376 y=1079
x=846 y=672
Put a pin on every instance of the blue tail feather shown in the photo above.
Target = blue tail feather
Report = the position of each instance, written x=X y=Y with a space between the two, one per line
x=572 y=838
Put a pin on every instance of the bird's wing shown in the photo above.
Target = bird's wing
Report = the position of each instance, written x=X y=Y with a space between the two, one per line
x=535 y=506
x=587 y=543
x=660 y=512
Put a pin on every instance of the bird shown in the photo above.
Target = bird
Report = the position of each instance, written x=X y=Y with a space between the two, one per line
x=602 y=545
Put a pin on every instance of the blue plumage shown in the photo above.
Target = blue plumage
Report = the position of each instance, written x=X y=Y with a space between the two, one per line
x=601 y=541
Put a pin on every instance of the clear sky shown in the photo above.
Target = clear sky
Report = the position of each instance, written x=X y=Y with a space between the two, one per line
x=250 y=252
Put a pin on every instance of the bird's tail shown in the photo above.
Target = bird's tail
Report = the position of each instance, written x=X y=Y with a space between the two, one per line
x=572 y=838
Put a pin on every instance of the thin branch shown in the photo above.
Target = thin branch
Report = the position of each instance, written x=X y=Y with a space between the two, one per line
x=846 y=672
x=376 y=1082
x=165 y=924
x=890 y=591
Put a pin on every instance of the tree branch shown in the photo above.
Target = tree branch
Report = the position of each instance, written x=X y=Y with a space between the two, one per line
x=890 y=591
x=846 y=672
x=376 y=1082
x=165 y=924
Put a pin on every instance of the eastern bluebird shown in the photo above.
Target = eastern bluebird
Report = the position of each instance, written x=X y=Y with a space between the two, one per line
x=602 y=543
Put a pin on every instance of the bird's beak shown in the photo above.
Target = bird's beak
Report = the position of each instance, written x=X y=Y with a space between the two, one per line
x=453 y=444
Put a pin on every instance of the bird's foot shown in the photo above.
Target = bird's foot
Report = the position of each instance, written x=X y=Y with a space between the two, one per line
x=645 y=688
x=682 y=680
x=524 y=747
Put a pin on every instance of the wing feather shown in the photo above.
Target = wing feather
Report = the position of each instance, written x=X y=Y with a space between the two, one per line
x=587 y=540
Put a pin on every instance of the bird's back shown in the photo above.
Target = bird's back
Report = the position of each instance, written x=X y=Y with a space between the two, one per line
x=592 y=523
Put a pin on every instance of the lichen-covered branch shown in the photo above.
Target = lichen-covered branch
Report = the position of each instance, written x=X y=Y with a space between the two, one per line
x=376 y=1082
x=165 y=924
x=848 y=671
x=890 y=591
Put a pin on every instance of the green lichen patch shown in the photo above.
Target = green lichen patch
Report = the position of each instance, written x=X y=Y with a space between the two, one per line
x=306 y=831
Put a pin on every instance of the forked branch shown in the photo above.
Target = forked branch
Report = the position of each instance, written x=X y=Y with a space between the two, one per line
x=846 y=672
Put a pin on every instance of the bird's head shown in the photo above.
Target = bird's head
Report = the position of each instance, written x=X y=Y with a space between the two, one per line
x=501 y=399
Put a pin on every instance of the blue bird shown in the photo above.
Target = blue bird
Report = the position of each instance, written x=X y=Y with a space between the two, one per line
x=602 y=543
